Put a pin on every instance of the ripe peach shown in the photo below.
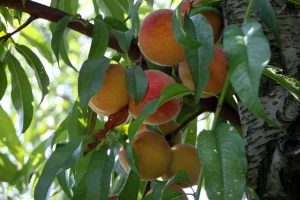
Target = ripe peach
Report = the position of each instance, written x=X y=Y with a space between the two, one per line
x=153 y=152
x=157 y=80
x=186 y=5
x=185 y=158
x=173 y=187
x=113 y=94
x=157 y=41
x=113 y=197
x=168 y=128
x=218 y=71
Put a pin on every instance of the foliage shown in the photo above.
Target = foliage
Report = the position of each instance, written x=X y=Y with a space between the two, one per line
x=62 y=149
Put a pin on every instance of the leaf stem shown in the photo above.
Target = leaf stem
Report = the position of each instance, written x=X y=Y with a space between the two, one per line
x=249 y=8
x=220 y=102
x=200 y=181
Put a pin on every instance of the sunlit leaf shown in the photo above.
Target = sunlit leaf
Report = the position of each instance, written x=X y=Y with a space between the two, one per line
x=7 y=169
x=39 y=70
x=248 y=53
x=116 y=8
x=21 y=93
x=222 y=157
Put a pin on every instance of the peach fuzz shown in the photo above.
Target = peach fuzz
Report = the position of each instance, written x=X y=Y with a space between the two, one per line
x=157 y=80
x=113 y=94
x=157 y=41
x=168 y=128
x=218 y=71
x=185 y=158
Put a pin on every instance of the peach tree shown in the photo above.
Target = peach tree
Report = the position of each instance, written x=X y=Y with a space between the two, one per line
x=107 y=98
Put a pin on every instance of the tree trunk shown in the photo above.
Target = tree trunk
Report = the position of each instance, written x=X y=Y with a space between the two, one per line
x=273 y=156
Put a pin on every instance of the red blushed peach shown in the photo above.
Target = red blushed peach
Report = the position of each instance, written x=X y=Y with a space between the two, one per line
x=113 y=94
x=186 y=5
x=218 y=71
x=157 y=80
x=157 y=41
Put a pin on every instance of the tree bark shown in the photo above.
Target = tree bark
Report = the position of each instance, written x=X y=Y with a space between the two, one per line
x=273 y=156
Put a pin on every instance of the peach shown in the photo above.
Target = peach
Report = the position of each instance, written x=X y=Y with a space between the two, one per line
x=153 y=152
x=168 y=128
x=173 y=187
x=186 y=5
x=113 y=94
x=185 y=158
x=122 y=159
x=218 y=71
x=157 y=41
x=157 y=80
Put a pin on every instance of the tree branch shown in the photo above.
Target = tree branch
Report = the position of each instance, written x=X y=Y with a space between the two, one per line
x=7 y=36
x=54 y=15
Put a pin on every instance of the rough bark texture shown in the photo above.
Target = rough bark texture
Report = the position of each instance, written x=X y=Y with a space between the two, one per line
x=273 y=163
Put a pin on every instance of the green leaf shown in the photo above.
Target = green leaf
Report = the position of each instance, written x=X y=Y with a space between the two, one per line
x=115 y=8
x=91 y=77
x=136 y=83
x=117 y=184
x=123 y=38
x=248 y=54
x=3 y=80
x=134 y=17
x=169 y=92
x=64 y=51
x=199 y=59
x=6 y=15
x=58 y=135
x=21 y=93
x=295 y=1
x=179 y=177
x=99 y=173
x=38 y=68
x=7 y=169
x=60 y=160
x=290 y=84
x=81 y=189
x=9 y=138
x=16 y=14
x=58 y=35
x=131 y=188
x=63 y=180
x=100 y=39
x=190 y=133
x=79 y=125
x=115 y=24
x=265 y=12
x=181 y=35
x=68 y=6
x=223 y=159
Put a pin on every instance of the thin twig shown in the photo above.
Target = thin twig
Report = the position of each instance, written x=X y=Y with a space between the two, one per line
x=29 y=20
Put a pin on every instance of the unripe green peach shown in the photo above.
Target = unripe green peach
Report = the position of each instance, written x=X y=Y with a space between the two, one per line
x=113 y=94
x=157 y=41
